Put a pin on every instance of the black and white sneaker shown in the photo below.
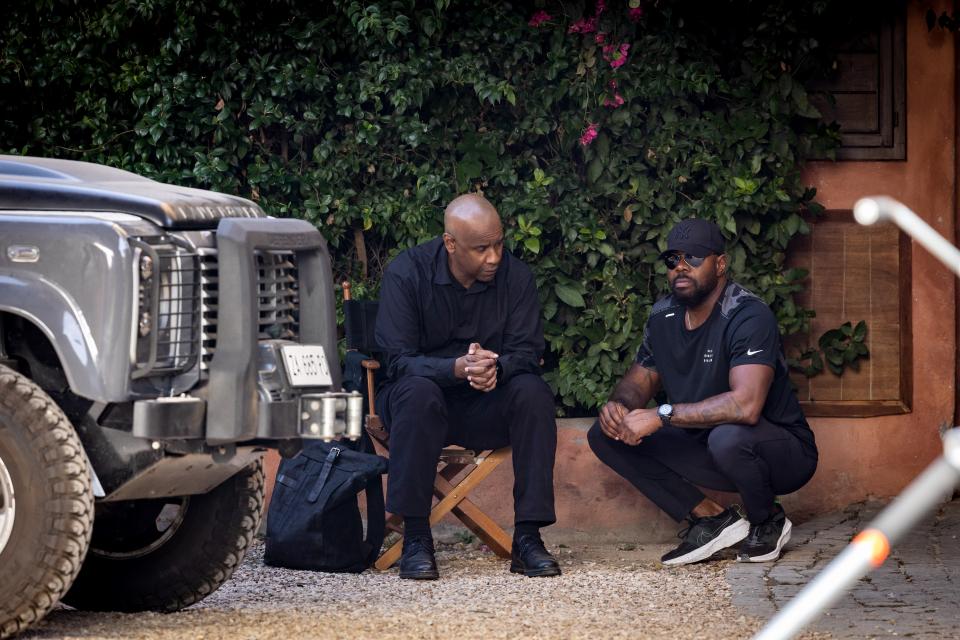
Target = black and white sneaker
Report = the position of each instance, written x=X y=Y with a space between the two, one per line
x=705 y=536
x=766 y=539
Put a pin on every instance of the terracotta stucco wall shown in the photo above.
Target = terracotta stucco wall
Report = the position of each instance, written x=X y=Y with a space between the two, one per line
x=878 y=456
x=860 y=458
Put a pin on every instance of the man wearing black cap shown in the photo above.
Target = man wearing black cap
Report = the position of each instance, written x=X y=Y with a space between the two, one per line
x=731 y=421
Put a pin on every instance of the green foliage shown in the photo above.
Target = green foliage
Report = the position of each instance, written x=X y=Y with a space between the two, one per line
x=366 y=118
x=838 y=348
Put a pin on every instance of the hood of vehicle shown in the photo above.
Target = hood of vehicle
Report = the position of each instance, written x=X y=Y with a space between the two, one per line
x=45 y=184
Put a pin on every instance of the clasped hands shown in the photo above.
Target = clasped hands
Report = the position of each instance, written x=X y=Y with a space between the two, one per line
x=629 y=427
x=478 y=367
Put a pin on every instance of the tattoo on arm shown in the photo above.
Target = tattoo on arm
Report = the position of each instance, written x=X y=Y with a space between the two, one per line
x=715 y=410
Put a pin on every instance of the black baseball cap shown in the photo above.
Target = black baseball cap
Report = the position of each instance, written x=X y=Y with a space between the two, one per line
x=695 y=237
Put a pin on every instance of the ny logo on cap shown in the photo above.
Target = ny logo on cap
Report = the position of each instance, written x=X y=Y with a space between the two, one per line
x=682 y=230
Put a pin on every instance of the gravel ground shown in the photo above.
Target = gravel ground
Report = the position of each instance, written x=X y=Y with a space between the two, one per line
x=606 y=591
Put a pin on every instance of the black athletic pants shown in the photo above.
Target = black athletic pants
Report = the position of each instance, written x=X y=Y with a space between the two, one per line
x=422 y=418
x=759 y=461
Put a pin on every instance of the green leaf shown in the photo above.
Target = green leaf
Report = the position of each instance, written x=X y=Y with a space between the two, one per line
x=594 y=169
x=603 y=147
x=792 y=225
x=861 y=331
x=785 y=84
x=532 y=244
x=569 y=295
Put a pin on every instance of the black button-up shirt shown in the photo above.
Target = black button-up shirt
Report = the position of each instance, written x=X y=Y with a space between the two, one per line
x=427 y=319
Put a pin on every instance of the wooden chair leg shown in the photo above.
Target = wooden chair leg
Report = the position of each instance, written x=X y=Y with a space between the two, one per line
x=468 y=484
x=388 y=557
x=453 y=498
x=482 y=525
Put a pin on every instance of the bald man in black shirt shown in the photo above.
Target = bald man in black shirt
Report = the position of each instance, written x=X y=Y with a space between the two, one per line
x=460 y=324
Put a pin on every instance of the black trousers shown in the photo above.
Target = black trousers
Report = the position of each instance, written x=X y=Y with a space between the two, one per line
x=759 y=461
x=422 y=418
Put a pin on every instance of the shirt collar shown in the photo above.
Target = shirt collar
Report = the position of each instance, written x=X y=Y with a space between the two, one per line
x=441 y=267
x=442 y=275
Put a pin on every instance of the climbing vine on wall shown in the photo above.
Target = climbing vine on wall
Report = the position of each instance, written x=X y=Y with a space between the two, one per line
x=592 y=127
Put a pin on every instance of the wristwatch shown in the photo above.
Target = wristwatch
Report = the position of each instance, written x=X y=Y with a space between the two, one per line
x=499 y=371
x=665 y=411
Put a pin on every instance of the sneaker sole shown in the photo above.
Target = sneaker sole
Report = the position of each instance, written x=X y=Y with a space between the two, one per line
x=773 y=555
x=729 y=537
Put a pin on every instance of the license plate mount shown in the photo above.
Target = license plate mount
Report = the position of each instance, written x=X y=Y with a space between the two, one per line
x=306 y=365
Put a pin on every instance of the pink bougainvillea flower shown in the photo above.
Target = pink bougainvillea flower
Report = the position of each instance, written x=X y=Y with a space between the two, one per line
x=588 y=134
x=539 y=18
x=583 y=25
x=614 y=102
x=613 y=84
x=601 y=6
x=600 y=37
x=616 y=56
x=634 y=15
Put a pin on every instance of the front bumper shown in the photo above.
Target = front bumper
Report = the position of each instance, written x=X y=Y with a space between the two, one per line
x=326 y=415
x=283 y=411
x=248 y=395
x=237 y=409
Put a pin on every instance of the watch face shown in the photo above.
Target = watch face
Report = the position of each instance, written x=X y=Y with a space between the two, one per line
x=665 y=410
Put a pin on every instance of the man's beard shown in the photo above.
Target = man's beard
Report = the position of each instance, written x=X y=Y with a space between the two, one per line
x=694 y=295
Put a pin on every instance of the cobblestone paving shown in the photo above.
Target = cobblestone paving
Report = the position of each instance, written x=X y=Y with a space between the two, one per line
x=916 y=593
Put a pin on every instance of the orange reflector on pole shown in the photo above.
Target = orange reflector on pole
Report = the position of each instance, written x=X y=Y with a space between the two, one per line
x=877 y=543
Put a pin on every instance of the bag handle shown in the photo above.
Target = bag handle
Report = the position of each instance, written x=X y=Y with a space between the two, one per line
x=324 y=474
x=376 y=509
x=376 y=518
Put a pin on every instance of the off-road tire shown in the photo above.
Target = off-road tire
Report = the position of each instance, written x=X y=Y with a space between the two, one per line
x=212 y=535
x=53 y=515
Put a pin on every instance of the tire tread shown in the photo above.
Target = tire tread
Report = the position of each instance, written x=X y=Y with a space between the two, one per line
x=70 y=510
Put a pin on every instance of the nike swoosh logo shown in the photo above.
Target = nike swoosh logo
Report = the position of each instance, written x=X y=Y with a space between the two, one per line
x=753 y=353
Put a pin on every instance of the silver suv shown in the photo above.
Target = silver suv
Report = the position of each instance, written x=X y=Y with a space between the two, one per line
x=154 y=341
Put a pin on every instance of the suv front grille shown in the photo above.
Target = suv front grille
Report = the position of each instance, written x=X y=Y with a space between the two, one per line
x=277 y=297
x=170 y=298
x=277 y=280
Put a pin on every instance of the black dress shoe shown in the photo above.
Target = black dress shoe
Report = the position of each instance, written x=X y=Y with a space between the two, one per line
x=532 y=559
x=417 y=561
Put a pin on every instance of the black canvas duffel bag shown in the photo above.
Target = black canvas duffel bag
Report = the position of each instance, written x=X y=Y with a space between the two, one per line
x=314 y=518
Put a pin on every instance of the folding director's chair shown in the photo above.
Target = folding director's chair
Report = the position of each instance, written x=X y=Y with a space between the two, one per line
x=459 y=471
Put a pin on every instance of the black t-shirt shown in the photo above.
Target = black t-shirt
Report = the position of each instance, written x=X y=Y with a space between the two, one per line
x=695 y=365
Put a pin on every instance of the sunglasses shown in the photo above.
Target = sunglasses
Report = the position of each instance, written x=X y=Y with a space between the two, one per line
x=673 y=260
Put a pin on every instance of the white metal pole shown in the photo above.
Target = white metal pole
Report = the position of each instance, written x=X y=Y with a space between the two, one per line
x=874 y=209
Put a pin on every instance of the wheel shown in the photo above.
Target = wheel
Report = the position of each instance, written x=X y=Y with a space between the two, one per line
x=166 y=554
x=46 y=503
